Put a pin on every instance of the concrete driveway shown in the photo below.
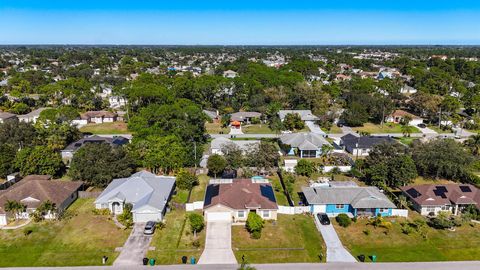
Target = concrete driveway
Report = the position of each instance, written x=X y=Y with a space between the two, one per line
x=335 y=250
x=135 y=248
x=218 y=245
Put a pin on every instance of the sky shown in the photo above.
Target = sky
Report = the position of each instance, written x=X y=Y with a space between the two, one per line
x=240 y=22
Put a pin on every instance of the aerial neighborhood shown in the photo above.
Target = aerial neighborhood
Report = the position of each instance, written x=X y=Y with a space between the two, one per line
x=129 y=156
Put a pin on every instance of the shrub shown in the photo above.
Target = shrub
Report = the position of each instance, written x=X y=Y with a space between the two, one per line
x=161 y=225
x=305 y=168
x=186 y=180
x=366 y=232
x=126 y=218
x=27 y=231
x=254 y=225
x=196 y=243
x=196 y=222
x=37 y=216
x=343 y=220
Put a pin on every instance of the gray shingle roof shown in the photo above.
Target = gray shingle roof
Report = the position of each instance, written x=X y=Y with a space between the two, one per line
x=304 y=141
x=245 y=145
x=365 y=142
x=358 y=197
x=305 y=115
x=140 y=189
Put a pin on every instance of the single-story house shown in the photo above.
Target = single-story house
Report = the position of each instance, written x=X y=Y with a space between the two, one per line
x=69 y=151
x=5 y=116
x=361 y=146
x=305 y=115
x=351 y=200
x=305 y=145
x=398 y=115
x=407 y=90
x=32 y=116
x=148 y=193
x=33 y=190
x=218 y=143
x=245 y=117
x=429 y=199
x=229 y=74
x=232 y=200
x=213 y=115
x=99 y=117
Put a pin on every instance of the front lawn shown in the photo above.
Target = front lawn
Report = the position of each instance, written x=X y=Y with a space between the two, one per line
x=82 y=238
x=257 y=129
x=216 y=128
x=176 y=240
x=334 y=129
x=387 y=128
x=438 y=245
x=106 y=128
x=292 y=238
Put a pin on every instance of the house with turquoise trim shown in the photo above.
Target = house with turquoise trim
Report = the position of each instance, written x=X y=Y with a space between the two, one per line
x=304 y=145
x=351 y=200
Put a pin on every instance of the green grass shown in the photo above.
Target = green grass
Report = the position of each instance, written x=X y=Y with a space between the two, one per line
x=387 y=128
x=334 y=129
x=106 y=128
x=175 y=240
x=406 y=140
x=216 y=128
x=81 y=239
x=278 y=189
x=439 y=245
x=257 y=129
x=292 y=238
x=198 y=192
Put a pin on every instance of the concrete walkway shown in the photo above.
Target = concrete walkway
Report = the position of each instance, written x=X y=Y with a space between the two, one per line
x=218 y=245
x=335 y=250
x=6 y=227
x=135 y=248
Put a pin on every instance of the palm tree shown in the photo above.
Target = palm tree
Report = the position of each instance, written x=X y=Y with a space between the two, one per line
x=47 y=207
x=14 y=208
x=473 y=143
x=406 y=130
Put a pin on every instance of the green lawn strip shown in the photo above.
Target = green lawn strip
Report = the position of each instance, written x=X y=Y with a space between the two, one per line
x=293 y=238
x=257 y=129
x=278 y=189
x=439 y=245
x=106 y=128
x=216 y=128
x=334 y=130
x=81 y=239
x=198 y=192
x=175 y=240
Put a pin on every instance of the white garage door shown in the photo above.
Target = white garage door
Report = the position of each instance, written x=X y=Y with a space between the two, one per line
x=219 y=216
x=144 y=217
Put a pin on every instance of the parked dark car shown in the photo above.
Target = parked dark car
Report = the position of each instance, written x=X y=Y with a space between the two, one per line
x=149 y=228
x=323 y=218
x=421 y=125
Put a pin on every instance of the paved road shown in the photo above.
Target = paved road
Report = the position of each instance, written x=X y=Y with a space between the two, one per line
x=335 y=250
x=218 y=245
x=474 y=265
x=135 y=248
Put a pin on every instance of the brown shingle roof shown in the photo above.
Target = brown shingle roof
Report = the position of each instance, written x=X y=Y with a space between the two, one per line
x=40 y=189
x=241 y=194
x=443 y=194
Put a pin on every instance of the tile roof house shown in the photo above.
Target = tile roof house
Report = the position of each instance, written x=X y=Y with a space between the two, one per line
x=231 y=200
x=429 y=199
x=69 y=151
x=305 y=145
x=99 y=117
x=305 y=115
x=351 y=200
x=218 y=143
x=245 y=117
x=33 y=190
x=398 y=115
x=32 y=116
x=362 y=145
x=148 y=193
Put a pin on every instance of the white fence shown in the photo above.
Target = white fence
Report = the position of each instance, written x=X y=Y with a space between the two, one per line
x=194 y=206
x=399 y=212
x=292 y=210
x=327 y=169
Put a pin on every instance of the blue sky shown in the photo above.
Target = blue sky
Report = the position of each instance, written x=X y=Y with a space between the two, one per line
x=239 y=22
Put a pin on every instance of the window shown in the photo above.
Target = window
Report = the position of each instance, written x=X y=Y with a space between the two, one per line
x=339 y=206
x=265 y=214
x=383 y=210
x=241 y=214
x=430 y=209
x=445 y=207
